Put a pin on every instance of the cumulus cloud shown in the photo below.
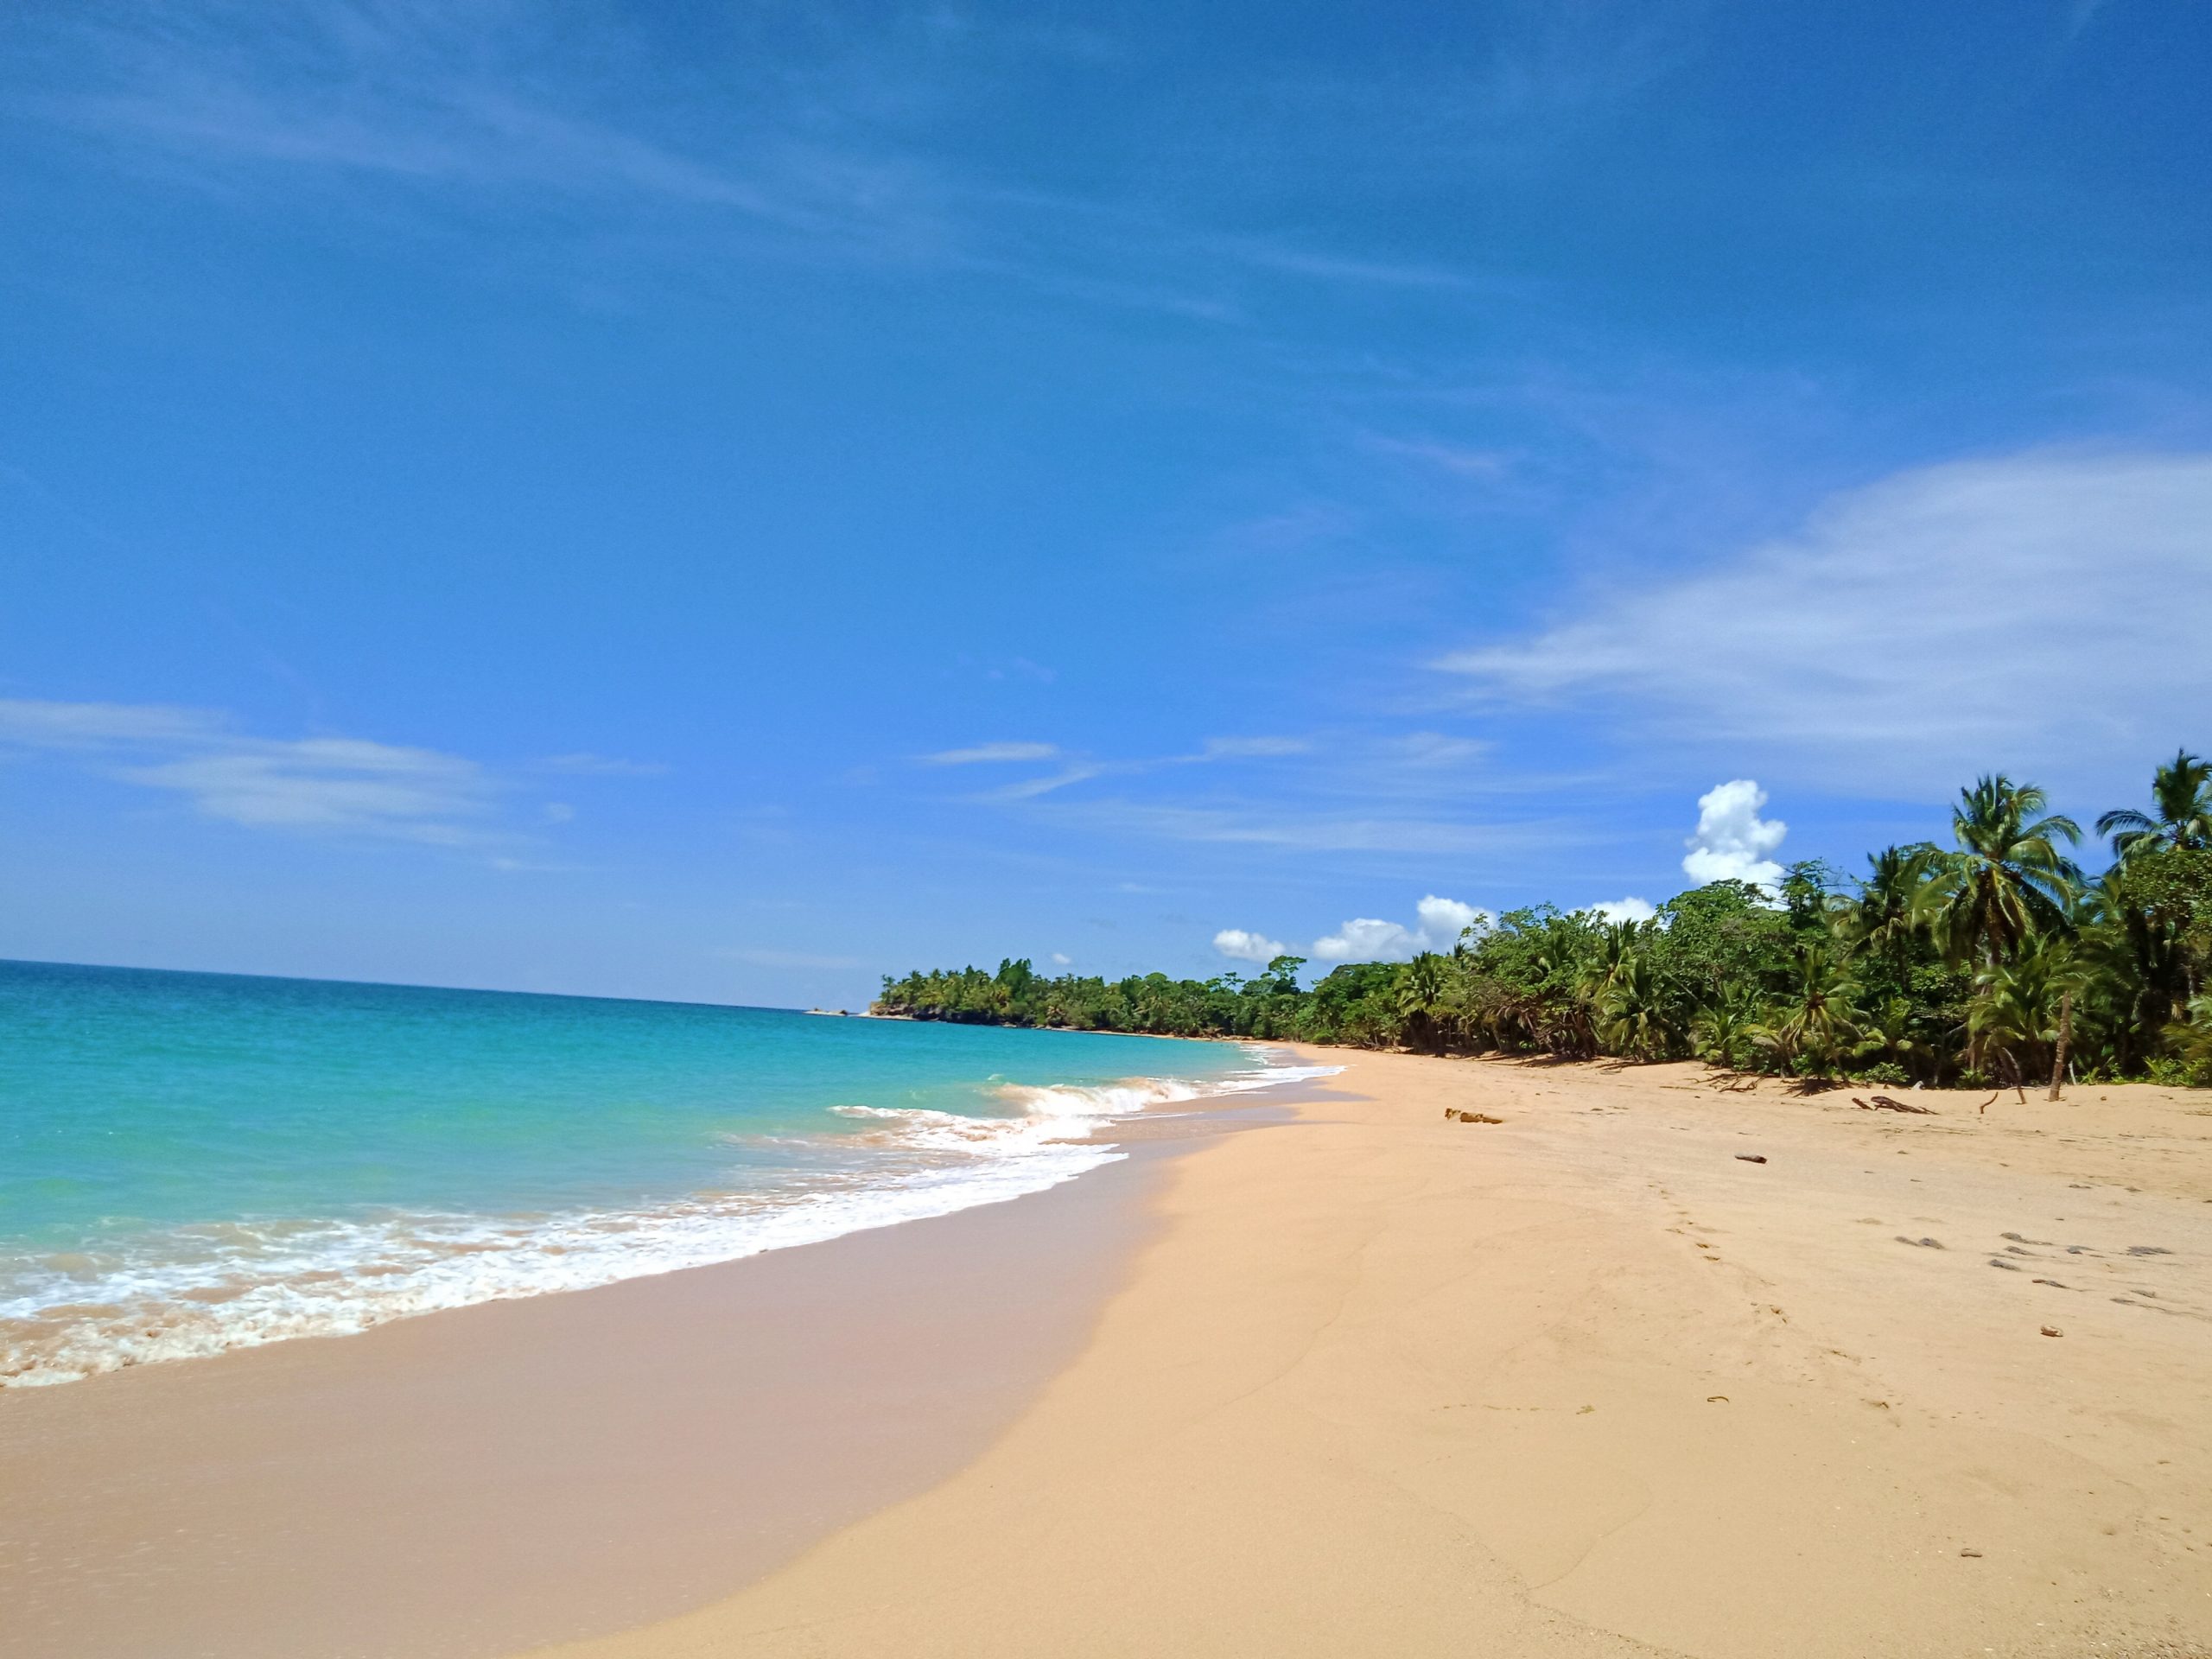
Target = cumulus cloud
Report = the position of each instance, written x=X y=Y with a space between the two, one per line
x=1732 y=842
x=1443 y=920
x=1438 y=925
x=986 y=754
x=341 y=784
x=1909 y=632
x=1238 y=945
x=1626 y=909
x=1368 y=938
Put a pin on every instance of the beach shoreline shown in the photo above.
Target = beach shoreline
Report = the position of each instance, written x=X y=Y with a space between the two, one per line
x=469 y=1482
x=1592 y=1381
x=1358 y=1377
x=171 y=1189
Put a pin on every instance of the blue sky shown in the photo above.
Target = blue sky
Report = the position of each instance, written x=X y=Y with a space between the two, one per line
x=728 y=501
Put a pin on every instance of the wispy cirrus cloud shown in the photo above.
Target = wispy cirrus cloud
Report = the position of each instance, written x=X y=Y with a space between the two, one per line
x=845 y=143
x=1380 y=793
x=1251 y=748
x=1029 y=789
x=765 y=956
x=2046 y=611
x=342 y=785
x=1295 y=828
x=1071 y=768
x=586 y=765
x=330 y=785
x=991 y=754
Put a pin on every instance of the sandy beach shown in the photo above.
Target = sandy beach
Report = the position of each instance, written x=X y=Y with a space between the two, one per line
x=472 y=1482
x=1360 y=1378
x=1585 y=1381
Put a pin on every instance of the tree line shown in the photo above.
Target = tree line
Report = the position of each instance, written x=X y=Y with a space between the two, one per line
x=1993 y=961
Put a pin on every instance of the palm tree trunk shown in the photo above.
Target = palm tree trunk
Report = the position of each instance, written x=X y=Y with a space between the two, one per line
x=2065 y=1037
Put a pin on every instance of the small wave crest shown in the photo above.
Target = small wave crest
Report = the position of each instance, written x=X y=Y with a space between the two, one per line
x=197 y=1291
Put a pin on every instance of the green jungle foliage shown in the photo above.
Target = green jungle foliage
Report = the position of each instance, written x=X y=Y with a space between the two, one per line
x=1992 y=961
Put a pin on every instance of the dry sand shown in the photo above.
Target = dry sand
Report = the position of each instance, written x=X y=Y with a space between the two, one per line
x=1585 y=1383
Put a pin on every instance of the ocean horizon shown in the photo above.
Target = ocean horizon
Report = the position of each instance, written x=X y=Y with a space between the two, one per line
x=193 y=1162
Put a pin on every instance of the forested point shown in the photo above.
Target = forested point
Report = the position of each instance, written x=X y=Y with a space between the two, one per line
x=1993 y=962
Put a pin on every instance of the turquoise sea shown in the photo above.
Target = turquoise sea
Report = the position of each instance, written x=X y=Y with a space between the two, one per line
x=190 y=1162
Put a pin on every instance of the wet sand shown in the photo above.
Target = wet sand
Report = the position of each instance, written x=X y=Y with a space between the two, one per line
x=1586 y=1381
x=471 y=1483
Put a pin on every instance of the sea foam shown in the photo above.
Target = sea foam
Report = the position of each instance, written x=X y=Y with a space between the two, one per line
x=195 y=1291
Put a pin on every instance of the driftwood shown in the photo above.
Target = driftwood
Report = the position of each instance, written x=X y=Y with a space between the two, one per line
x=1750 y=1158
x=1884 y=1103
x=1453 y=1115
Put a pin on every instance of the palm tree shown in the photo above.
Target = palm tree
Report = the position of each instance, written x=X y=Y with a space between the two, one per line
x=2139 y=952
x=1617 y=942
x=1722 y=1030
x=2182 y=793
x=1814 y=1020
x=2019 y=1014
x=2191 y=1039
x=1634 y=1008
x=1421 y=988
x=2007 y=880
x=1883 y=919
x=1887 y=1031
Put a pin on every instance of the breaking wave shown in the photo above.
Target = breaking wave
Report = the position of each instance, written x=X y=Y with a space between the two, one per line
x=195 y=1291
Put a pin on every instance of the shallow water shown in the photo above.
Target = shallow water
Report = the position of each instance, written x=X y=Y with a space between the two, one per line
x=190 y=1162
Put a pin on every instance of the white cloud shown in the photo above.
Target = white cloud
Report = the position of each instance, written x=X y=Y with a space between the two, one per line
x=331 y=784
x=1909 y=635
x=1443 y=920
x=1287 y=828
x=766 y=958
x=1241 y=946
x=1251 y=748
x=600 y=766
x=1061 y=960
x=1461 y=459
x=1368 y=938
x=1434 y=750
x=39 y=725
x=1626 y=910
x=1731 y=841
x=341 y=784
x=984 y=754
x=1030 y=788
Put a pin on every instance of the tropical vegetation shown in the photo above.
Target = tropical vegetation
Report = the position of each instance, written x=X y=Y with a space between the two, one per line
x=1993 y=961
